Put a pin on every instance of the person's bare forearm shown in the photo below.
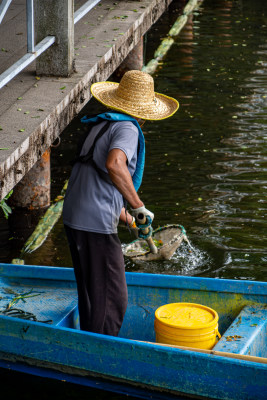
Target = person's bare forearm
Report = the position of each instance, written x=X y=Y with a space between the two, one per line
x=121 y=177
x=125 y=217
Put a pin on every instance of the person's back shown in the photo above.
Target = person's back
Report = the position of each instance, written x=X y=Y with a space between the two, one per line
x=91 y=203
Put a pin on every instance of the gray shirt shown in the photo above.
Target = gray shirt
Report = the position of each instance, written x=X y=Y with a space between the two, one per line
x=91 y=204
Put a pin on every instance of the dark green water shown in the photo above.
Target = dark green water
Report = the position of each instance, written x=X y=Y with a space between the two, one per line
x=206 y=166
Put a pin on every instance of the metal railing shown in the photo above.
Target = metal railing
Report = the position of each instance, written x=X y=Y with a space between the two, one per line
x=3 y=8
x=34 y=51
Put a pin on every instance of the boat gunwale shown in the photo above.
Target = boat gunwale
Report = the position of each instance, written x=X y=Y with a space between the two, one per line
x=142 y=279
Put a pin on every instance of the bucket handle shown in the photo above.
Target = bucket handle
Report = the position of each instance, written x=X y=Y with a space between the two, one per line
x=218 y=334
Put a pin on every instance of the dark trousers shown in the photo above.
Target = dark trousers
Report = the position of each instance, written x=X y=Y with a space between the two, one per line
x=100 y=275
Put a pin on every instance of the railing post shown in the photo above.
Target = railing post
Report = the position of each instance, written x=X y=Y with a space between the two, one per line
x=56 y=18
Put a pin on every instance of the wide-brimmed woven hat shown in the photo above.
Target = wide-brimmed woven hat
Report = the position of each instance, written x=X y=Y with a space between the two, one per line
x=135 y=95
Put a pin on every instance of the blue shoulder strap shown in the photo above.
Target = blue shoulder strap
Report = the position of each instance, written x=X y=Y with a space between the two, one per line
x=140 y=164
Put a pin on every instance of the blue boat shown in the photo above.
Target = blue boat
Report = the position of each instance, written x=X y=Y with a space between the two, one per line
x=50 y=344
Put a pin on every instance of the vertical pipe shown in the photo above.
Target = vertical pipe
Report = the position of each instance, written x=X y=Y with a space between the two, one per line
x=30 y=26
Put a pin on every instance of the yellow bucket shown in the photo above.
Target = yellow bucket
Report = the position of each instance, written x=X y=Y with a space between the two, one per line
x=187 y=324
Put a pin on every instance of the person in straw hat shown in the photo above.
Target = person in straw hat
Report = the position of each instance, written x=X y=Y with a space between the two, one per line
x=106 y=174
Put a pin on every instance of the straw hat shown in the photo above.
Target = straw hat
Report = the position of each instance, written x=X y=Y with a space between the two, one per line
x=135 y=95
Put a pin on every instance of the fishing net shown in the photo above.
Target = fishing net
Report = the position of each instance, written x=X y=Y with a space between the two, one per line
x=167 y=240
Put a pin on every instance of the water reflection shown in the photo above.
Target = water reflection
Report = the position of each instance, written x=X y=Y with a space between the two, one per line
x=222 y=132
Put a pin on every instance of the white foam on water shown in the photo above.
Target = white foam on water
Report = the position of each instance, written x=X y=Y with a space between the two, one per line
x=189 y=258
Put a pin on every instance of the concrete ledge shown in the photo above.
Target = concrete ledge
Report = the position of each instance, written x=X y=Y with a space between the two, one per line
x=103 y=39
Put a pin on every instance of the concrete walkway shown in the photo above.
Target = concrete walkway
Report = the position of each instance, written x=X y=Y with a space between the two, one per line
x=35 y=110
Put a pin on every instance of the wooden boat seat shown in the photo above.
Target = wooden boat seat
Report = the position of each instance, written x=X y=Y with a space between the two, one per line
x=247 y=334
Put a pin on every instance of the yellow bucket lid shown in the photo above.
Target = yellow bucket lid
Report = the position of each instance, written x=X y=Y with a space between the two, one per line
x=186 y=316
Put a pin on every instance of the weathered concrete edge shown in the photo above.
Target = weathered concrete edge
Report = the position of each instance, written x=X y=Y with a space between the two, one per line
x=25 y=156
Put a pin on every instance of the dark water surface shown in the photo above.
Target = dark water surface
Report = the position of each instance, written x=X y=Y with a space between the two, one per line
x=206 y=166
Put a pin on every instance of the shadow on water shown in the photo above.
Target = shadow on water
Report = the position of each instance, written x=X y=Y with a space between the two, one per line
x=205 y=166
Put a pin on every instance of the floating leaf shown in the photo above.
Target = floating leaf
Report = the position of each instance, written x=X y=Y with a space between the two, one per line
x=21 y=130
x=36 y=116
x=27 y=112
x=19 y=98
x=63 y=87
x=4 y=50
x=4 y=148
x=18 y=109
x=40 y=109
x=37 y=78
x=92 y=37
x=1 y=128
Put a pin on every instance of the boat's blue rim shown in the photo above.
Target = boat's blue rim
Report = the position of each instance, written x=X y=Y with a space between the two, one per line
x=141 y=279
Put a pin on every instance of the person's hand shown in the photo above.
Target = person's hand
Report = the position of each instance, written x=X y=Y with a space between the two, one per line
x=143 y=212
x=134 y=228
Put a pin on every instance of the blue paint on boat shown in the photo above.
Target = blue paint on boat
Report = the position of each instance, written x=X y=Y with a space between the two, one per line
x=247 y=334
x=129 y=359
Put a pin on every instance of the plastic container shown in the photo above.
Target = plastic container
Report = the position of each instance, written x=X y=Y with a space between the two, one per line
x=187 y=324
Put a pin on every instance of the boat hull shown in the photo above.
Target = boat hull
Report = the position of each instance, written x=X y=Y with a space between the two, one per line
x=133 y=359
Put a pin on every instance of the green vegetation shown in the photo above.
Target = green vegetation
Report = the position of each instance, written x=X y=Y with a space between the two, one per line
x=6 y=209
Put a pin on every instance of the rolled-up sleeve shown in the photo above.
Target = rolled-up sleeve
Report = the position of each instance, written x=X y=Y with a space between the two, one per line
x=124 y=136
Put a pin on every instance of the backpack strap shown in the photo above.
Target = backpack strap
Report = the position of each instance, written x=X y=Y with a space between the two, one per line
x=88 y=157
